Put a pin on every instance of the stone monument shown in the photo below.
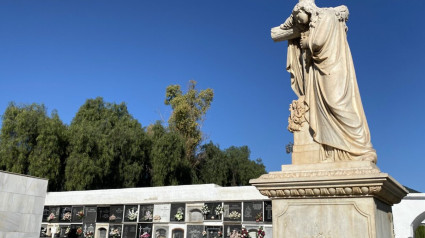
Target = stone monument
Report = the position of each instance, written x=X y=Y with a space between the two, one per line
x=333 y=187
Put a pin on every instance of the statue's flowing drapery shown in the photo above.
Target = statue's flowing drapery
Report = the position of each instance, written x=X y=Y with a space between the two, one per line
x=324 y=75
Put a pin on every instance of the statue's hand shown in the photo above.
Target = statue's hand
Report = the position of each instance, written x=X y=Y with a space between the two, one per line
x=304 y=42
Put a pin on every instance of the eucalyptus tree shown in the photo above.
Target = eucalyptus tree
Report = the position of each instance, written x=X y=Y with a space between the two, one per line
x=188 y=113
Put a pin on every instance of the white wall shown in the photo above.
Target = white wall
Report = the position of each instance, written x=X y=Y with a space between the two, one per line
x=21 y=205
x=183 y=193
x=408 y=214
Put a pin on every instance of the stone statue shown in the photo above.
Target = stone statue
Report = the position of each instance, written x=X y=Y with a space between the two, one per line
x=328 y=119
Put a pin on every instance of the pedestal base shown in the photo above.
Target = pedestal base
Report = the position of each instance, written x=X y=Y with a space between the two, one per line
x=326 y=218
x=331 y=200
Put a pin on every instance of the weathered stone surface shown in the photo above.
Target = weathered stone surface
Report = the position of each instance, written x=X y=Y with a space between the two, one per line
x=21 y=205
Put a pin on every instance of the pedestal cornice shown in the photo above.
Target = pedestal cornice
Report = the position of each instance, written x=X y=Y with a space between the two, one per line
x=331 y=180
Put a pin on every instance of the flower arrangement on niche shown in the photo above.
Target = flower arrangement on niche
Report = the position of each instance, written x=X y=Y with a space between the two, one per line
x=157 y=218
x=115 y=233
x=147 y=216
x=218 y=210
x=220 y=234
x=132 y=215
x=43 y=232
x=51 y=217
x=204 y=233
x=205 y=210
x=259 y=217
x=234 y=215
x=261 y=233
x=244 y=233
x=179 y=215
x=79 y=231
x=89 y=234
x=112 y=217
x=235 y=234
x=145 y=235
x=66 y=216
x=67 y=230
x=80 y=214
x=58 y=231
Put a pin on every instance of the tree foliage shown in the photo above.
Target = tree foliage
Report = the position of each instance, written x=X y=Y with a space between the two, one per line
x=105 y=147
x=231 y=167
x=33 y=143
x=108 y=148
x=188 y=114
x=169 y=166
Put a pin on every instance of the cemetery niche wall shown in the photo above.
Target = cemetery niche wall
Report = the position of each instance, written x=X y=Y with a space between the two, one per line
x=193 y=211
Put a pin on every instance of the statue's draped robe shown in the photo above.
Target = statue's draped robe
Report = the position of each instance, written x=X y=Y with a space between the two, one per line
x=324 y=75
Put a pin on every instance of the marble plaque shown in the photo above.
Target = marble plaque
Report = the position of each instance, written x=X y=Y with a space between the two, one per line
x=117 y=212
x=213 y=231
x=177 y=208
x=103 y=214
x=160 y=231
x=267 y=211
x=46 y=213
x=177 y=233
x=232 y=229
x=131 y=209
x=129 y=231
x=253 y=211
x=212 y=215
x=56 y=213
x=232 y=211
x=193 y=213
x=161 y=213
x=114 y=227
x=75 y=211
x=102 y=231
x=268 y=232
x=146 y=213
x=90 y=214
x=194 y=231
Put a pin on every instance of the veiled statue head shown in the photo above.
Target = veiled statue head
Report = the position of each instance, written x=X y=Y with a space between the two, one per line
x=305 y=12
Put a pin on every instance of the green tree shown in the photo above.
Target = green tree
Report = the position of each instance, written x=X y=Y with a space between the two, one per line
x=420 y=232
x=213 y=167
x=188 y=114
x=231 y=167
x=33 y=143
x=242 y=169
x=108 y=148
x=169 y=166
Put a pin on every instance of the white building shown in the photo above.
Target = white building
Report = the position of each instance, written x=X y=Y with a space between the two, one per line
x=408 y=215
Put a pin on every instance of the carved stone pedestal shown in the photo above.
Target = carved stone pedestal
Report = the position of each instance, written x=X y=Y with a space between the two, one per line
x=331 y=200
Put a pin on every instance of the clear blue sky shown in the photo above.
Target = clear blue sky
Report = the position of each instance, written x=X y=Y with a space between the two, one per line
x=61 y=53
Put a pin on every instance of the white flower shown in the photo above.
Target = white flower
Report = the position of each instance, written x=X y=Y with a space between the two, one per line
x=234 y=215
x=132 y=215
